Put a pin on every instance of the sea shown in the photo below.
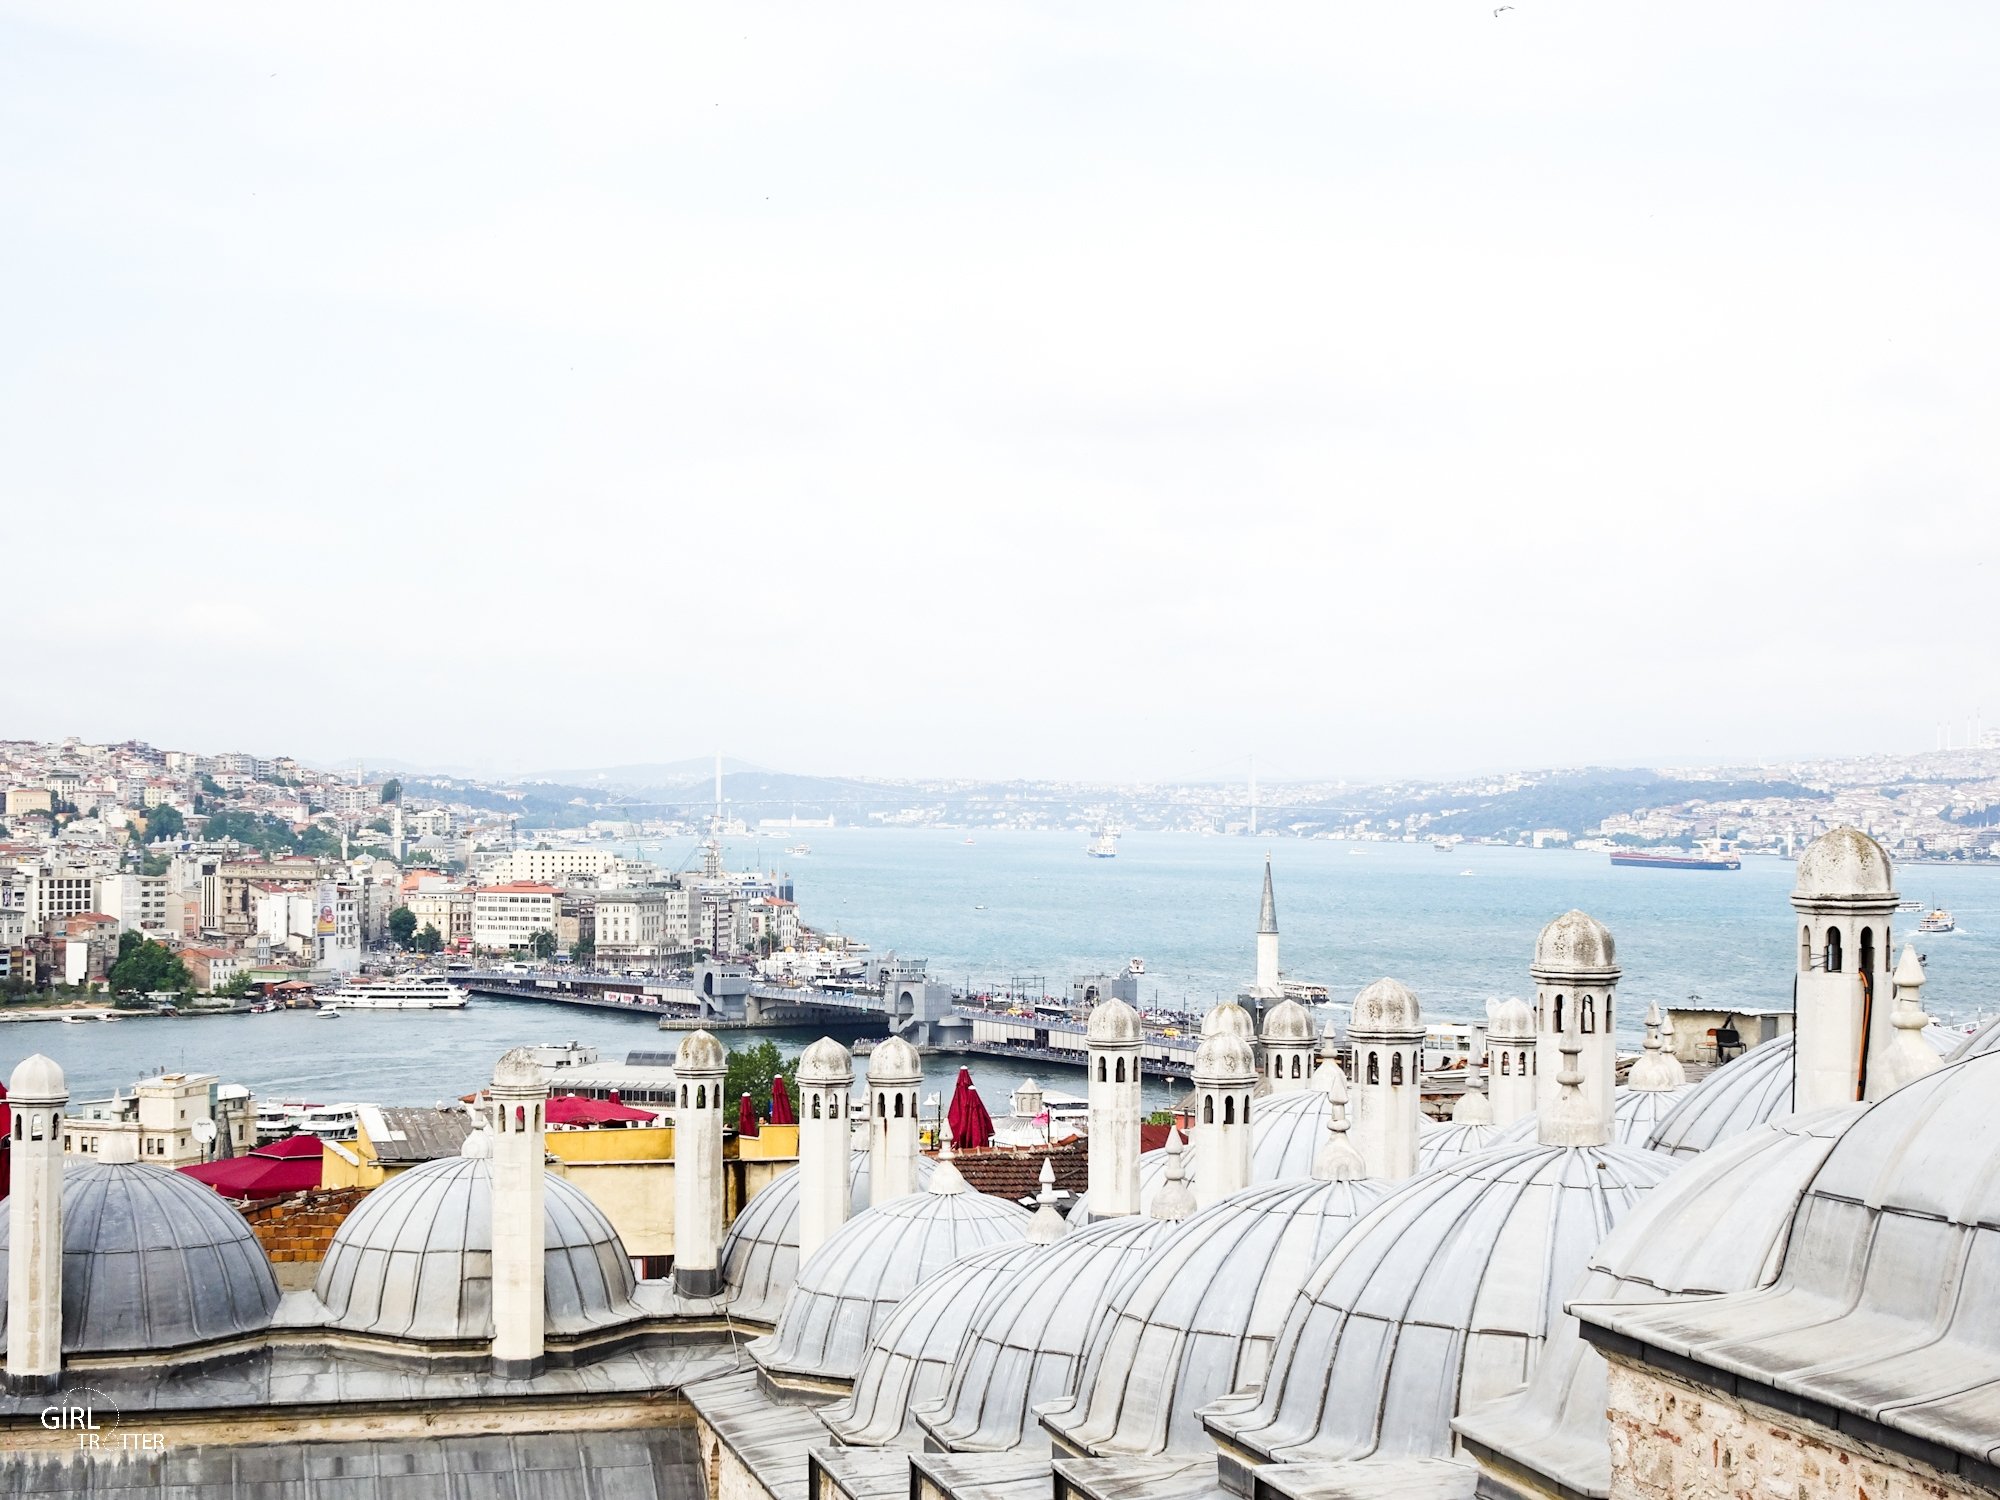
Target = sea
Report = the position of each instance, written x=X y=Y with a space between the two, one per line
x=1028 y=911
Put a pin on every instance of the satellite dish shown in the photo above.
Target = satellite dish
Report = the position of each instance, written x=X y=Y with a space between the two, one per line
x=204 y=1131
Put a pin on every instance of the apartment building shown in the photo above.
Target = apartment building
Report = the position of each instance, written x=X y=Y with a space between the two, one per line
x=447 y=908
x=549 y=866
x=508 y=915
x=139 y=902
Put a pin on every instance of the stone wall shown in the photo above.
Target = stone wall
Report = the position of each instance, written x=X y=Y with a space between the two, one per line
x=299 y=1228
x=1671 y=1440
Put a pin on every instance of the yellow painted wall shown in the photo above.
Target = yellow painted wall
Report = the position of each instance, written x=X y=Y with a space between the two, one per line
x=642 y=1143
x=769 y=1141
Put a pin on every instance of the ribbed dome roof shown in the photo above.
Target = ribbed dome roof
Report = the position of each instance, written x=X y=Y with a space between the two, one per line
x=1224 y=1058
x=1975 y=1043
x=1718 y=1224
x=909 y=1362
x=847 y=1291
x=1286 y=1133
x=1745 y=1091
x=1386 y=1005
x=1637 y=1113
x=1227 y=1018
x=415 y=1258
x=1442 y=1296
x=825 y=1061
x=1112 y=1021
x=1845 y=862
x=1289 y=1021
x=894 y=1060
x=1511 y=1020
x=1198 y=1317
x=760 y=1254
x=1448 y=1142
x=1575 y=943
x=152 y=1260
x=1027 y=1339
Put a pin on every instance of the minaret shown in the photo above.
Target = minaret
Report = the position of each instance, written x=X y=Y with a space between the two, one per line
x=826 y=1074
x=1846 y=900
x=1268 y=985
x=1386 y=1035
x=1225 y=1074
x=1289 y=1041
x=1510 y=1061
x=1576 y=977
x=699 y=1067
x=1657 y=1069
x=1337 y=1160
x=1909 y=1056
x=894 y=1072
x=518 y=1099
x=37 y=1094
x=1113 y=1038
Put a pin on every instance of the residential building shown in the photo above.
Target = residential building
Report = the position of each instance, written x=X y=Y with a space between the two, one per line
x=27 y=799
x=163 y=1114
x=448 y=908
x=508 y=916
x=139 y=902
x=632 y=926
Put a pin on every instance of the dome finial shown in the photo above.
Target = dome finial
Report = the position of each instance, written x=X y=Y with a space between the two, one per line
x=1473 y=1107
x=947 y=1178
x=1570 y=1120
x=1657 y=1068
x=1908 y=1056
x=1172 y=1200
x=1047 y=1226
x=1338 y=1161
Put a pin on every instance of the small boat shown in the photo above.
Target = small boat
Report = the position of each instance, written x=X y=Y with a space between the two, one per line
x=1104 y=846
x=1909 y=906
x=1136 y=967
x=798 y=849
x=329 y=1013
x=969 y=839
x=1465 y=872
x=1939 y=920
x=76 y=1020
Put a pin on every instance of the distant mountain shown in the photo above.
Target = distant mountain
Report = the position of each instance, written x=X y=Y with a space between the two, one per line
x=644 y=776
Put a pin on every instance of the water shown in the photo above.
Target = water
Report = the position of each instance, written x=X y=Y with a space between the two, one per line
x=1031 y=904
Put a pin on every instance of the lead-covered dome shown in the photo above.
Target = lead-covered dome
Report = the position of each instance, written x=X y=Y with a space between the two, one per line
x=1289 y=1021
x=1845 y=862
x=1441 y=1297
x=847 y=1291
x=1743 y=1092
x=1637 y=1113
x=1113 y=1022
x=760 y=1254
x=1022 y=1347
x=1286 y=1133
x=1511 y=1020
x=893 y=1060
x=826 y=1061
x=1227 y=1018
x=415 y=1258
x=908 y=1364
x=1448 y=1142
x=1197 y=1319
x=152 y=1260
x=1575 y=943
x=1386 y=1005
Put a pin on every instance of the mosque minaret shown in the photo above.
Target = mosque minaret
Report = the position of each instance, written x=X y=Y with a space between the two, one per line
x=1845 y=899
x=699 y=1068
x=1386 y=1034
x=37 y=1094
x=1510 y=1072
x=894 y=1073
x=1112 y=1037
x=1268 y=986
x=826 y=1075
x=1225 y=1077
x=518 y=1101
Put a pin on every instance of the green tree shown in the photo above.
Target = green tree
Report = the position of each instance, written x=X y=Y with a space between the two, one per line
x=750 y=1072
x=583 y=950
x=430 y=939
x=165 y=822
x=381 y=825
x=392 y=790
x=210 y=785
x=144 y=965
x=154 y=864
x=238 y=987
x=544 y=945
x=402 y=926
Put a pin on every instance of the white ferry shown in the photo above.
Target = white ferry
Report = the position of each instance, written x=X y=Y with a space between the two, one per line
x=1104 y=846
x=1939 y=920
x=404 y=992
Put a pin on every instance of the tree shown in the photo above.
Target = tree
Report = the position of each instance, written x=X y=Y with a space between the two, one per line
x=144 y=965
x=430 y=939
x=392 y=790
x=751 y=1071
x=544 y=945
x=210 y=785
x=583 y=950
x=402 y=926
x=237 y=987
x=165 y=822
x=381 y=825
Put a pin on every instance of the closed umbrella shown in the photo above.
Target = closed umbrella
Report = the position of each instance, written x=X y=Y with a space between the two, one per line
x=781 y=1103
x=971 y=1125
x=746 y=1117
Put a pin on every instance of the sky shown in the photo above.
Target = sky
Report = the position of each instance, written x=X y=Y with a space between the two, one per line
x=1002 y=390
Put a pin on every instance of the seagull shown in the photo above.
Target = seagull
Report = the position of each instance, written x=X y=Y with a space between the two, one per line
x=1496 y=14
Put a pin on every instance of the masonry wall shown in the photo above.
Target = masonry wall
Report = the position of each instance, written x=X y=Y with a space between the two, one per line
x=299 y=1228
x=1674 y=1441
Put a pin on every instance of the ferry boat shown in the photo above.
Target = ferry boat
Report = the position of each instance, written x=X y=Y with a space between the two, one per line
x=1104 y=846
x=404 y=992
x=1136 y=967
x=1674 y=859
x=1939 y=920
x=798 y=849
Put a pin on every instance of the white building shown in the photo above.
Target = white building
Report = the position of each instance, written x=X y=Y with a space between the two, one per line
x=548 y=866
x=164 y=1116
x=139 y=902
x=509 y=915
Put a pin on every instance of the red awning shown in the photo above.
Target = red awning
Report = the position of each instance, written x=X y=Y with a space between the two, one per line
x=971 y=1125
x=258 y=1175
x=569 y=1109
x=781 y=1103
x=293 y=1146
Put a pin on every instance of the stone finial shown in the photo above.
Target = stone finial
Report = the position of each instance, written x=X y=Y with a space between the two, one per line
x=1908 y=1056
x=947 y=1179
x=1472 y=1107
x=1047 y=1226
x=1337 y=1160
x=1571 y=1121
x=1657 y=1069
x=1173 y=1200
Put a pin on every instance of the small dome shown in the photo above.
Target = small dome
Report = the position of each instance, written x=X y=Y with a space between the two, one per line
x=1844 y=862
x=760 y=1254
x=1387 y=1005
x=1472 y=1108
x=1113 y=1022
x=1511 y=1020
x=700 y=1052
x=1227 y=1018
x=1442 y=1143
x=415 y=1258
x=1441 y=1297
x=517 y=1068
x=152 y=1260
x=37 y=1078
x=1636 y=1113
x=1224 y=1059
x=1743 y=1092
x=826 y=1061
x=1575 y=943
x=846 y=1293
x=1027 y=1339
x=1286 y=1134
x=1289 y=1021
x=909 y=1363
x=1152 y=1177
x=894 y=1061
x=1197 y=1319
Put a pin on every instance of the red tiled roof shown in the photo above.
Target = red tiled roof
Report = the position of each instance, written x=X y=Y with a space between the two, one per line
x=1015 y=1172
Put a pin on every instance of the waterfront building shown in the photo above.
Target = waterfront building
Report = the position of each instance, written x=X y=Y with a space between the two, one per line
x=505 y=918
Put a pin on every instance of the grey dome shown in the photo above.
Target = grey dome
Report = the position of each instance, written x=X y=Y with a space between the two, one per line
x=1114 y=1022
x=826 y=1061
x=1719 y=1224
x=1575 y=943
x=152 y=1259
x=1198 y=1318
x=1637 y=1113
x=1152 y=1177
x=893 y=1060
x=847 y=1291
x=1745 y=1091
x=1027 y=1339
x=415 y=1258
x=1289 y=1021
x=1512 y=1020
x=37 y=1079
x=1441 y=1297
x=1286 y=1134
x=1441 y=1143
x=909 y=1363
x=1386 y=1005
x=760 y=1254
x=1227 y=1018
x=1845 y=862
x=700 y=1052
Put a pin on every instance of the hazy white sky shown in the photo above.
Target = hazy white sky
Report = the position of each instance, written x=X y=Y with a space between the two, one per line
x=1039 y=390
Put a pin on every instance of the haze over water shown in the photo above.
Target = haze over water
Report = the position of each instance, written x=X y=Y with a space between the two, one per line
x=1031 y=904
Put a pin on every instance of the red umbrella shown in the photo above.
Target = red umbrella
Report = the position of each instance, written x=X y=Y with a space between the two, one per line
x=971 y=1125
x=570 y=1109
x=746 y=1117
x=781 y=1103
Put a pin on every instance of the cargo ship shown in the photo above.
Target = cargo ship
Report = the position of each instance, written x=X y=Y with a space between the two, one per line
x=1673 y=859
